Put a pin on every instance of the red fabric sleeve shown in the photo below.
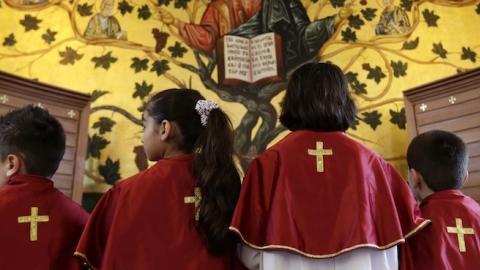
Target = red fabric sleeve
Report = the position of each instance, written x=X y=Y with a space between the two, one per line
x=257 y=193
x=203 y=36
x=94 y=239
x=407 y=208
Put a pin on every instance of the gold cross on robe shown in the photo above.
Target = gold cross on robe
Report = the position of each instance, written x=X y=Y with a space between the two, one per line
x=33 y=219
x=460 y=231
x=319 y=153
x=196 y=198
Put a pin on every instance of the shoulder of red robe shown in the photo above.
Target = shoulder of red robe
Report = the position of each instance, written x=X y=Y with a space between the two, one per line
x=263 y=224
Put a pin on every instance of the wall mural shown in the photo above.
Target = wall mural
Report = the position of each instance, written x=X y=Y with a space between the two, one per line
x=239 y=52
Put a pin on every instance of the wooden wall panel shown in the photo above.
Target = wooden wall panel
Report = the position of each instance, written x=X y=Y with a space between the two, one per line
x=451 y=104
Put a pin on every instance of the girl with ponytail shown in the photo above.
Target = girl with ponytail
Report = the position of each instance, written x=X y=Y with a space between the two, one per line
x=176 y=214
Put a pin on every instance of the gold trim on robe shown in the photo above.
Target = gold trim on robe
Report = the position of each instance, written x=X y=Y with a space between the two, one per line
x=326 y=256
x=85 y=259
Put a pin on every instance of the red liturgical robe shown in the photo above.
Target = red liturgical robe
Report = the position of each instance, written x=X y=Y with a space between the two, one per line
x=321 y=194
x=147 y=222
x=39 y=226
x=452 y=240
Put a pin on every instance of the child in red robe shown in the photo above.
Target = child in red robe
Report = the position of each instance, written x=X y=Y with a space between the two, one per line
x=438 y=164
x=174 y=215
x=318 y=199
x=39 y=226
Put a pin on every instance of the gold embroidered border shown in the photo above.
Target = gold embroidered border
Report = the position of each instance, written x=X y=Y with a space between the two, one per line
x=84 y=257
x=419 y=227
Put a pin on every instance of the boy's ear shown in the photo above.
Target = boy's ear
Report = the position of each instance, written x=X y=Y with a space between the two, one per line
x=14 y=164
x=416 y=179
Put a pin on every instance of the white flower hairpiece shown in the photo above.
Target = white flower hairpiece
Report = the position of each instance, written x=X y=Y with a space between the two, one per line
x=203 y=108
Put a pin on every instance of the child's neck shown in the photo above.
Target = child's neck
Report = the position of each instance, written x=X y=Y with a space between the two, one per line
x=425 y=193
x=173 y=153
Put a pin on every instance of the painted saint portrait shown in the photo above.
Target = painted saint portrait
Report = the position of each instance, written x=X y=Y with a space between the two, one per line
x=393 y=21
x=104 y=25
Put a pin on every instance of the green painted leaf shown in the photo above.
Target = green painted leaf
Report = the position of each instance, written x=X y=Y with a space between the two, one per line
x=163 y=2
x=69 y=56
x=9 y=40
x=104 y=125
x=96 y=94
x=469 y=54
x=181 y=3
x=355 y=21
x=142 y=90
x=439 y=50
x=110 y=171
x=125 y=7
x=140 y=158
x=104 y=61
x=355 y=124
x=369 y=13
x=337 y=3
x=351 y=76
x=85 y=9
x=376 y=74
x=398 y=118
x=430 y=17
x=30 y=23
x=144 y=12
x=372 y=119
x=49 y=36
x=406 y=4
x=95 y=145
x=399 y=68
x=348 y=35
x=411 y=45
x=160 y=67
x=358 y=87
x=177 y=50
x=139 y=64
x=142 y=107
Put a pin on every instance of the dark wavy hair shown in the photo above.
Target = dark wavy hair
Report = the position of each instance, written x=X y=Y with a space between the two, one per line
x=440 y=157
x=317 y=98
x=36 y=135
x=213 y=161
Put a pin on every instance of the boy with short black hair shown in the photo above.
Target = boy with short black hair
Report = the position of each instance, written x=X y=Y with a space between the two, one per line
x=438 y=162
x=39 y=226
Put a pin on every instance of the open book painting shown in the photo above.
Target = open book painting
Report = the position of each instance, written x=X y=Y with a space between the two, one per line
x=255 y=60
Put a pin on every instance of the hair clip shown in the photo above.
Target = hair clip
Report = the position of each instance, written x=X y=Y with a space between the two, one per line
x=203 y=108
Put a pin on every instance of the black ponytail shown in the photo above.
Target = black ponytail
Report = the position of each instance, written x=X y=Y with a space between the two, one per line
x=218 y=179
x=213 y=161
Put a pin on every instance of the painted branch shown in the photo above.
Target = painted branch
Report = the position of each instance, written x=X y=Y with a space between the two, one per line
x=119 y=110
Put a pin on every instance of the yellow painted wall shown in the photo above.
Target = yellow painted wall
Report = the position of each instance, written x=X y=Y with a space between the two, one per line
x=26 y=52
